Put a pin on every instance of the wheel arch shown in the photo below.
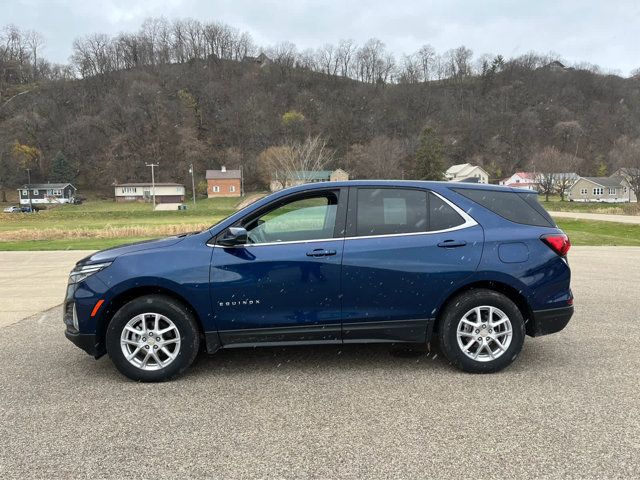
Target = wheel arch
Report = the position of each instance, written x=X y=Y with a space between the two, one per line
x=122 y=298
x=497 y=286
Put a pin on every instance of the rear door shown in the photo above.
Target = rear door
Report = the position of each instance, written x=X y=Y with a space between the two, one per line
x=406 y=249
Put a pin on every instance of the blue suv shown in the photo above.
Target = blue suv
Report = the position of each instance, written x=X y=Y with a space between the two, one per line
x=475 y=267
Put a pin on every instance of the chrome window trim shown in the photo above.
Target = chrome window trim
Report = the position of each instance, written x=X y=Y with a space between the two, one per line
x=468 y=222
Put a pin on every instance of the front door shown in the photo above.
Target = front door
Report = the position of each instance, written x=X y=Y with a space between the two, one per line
x=406 y=249
x=284 y=284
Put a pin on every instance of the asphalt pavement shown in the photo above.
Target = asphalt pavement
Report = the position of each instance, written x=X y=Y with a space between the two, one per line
x=569 y=407
x=31 y=282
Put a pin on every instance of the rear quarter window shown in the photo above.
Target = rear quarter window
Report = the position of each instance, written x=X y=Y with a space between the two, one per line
x=521 y=208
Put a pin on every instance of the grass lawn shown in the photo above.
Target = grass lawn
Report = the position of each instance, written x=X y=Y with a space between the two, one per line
x=555 y=205
x=586 y=232
x=102 y=224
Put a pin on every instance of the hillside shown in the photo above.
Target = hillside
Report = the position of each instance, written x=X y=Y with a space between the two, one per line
x=214 y=112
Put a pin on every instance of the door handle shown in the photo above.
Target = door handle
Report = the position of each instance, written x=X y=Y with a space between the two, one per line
x=321 y=252
x=452 y=243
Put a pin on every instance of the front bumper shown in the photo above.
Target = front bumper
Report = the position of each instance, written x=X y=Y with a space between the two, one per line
x=86 y=341
x=549 y=321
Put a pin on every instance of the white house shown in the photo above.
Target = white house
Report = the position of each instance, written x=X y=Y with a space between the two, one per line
x=526 y=180
x=143 y=192
x=465 y=172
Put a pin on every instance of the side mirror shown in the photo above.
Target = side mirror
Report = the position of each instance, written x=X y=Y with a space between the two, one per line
x=233 y=236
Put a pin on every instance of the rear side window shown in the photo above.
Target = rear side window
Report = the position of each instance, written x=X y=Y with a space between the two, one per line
x=386 y=211
x=517 y=207
x=441 y=215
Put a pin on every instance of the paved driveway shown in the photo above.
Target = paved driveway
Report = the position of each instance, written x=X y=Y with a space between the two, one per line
x=31 y=282
x=568 y=408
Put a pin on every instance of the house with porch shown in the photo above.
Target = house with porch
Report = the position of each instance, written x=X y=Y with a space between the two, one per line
x=46 y=193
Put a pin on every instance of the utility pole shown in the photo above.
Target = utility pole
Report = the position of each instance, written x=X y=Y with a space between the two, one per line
x=29 y=189
x=193 y=185
x=241 y=181
x=153 y=181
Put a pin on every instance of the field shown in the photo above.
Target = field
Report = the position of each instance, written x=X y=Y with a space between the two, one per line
x=555 y=205
x=99 y=224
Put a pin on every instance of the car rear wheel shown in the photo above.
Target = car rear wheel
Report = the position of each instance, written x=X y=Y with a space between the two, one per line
x=152 y=338
x=481 y=331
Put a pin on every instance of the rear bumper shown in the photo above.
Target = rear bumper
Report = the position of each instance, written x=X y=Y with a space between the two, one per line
x=86 y=341
x=545 y=322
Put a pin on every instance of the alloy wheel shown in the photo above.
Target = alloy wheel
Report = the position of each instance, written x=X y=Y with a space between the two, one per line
x=484 y=333
x=150 y=341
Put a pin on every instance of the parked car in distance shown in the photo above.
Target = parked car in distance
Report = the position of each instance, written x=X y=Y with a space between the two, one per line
x=476 y=267
x=12 y=209
x=29 y=209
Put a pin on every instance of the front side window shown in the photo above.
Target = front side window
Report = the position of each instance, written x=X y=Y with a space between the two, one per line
x=310 y=218
x=25 y=193
x=232 y=188
x=215 y=189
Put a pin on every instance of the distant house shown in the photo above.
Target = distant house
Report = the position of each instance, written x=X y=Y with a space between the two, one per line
x=261 y=60
x=599 y=189
x=47 y=193
x=465 y=172
x=224 y=183
x=526 y=180
x=143 y=192
x=556 y=65
x=283 y=180
x=626 y=173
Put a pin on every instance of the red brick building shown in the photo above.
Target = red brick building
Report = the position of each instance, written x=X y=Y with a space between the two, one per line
x=224 y=183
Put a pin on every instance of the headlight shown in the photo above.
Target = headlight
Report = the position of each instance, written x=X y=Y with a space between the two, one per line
x=80 y=273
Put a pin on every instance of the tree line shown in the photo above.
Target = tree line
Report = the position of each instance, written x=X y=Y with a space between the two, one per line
x=186 y=91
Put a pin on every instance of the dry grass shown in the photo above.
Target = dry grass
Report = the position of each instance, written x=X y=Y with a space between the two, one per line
x=106 y=232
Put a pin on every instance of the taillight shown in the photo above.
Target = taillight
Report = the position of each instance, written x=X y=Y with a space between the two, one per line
x=558 y=242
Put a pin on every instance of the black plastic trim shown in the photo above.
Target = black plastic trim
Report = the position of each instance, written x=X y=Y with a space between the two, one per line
x=388 y=331
x=277 y=335
x=87 y=342
x=550 y=321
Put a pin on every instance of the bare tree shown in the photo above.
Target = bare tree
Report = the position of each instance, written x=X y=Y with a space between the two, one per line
x=554 y=170
x=344 y=56
x=35 y=41
x=381 y=158
x=287 y=162
x=625 y=154
x=426 y=58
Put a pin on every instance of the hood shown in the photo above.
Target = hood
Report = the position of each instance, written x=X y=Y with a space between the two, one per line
x=111 y=253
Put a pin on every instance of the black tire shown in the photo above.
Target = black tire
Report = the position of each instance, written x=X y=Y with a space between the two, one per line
x=171 y=309
x=452 y=315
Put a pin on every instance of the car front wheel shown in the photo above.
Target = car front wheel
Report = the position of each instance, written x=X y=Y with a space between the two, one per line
x=481 y=331
x=152 y=338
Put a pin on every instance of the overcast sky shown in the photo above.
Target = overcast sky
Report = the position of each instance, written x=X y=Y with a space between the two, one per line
x=600 y=32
